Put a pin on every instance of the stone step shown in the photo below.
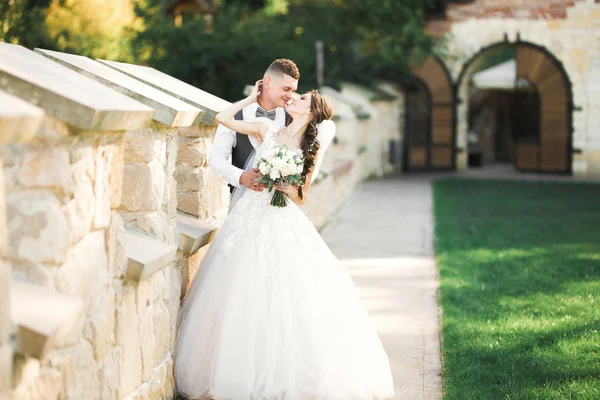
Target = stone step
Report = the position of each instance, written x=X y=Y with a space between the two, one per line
x=43 y=318
x=193 y=234
x=146 y=256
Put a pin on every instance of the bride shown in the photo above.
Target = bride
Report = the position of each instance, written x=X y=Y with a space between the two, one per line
x=272 y=314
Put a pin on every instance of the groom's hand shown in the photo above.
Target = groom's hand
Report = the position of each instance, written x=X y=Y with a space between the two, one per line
x=248 y=177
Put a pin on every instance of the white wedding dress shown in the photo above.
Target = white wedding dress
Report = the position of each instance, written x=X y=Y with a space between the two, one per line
x=273 y=315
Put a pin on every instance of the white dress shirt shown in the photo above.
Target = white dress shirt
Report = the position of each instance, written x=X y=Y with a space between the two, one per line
x=225 y=140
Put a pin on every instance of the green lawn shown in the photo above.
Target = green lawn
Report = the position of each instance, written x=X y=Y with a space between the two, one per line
x=520 y=289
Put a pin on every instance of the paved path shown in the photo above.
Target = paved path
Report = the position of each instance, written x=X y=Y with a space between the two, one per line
x=384 y=234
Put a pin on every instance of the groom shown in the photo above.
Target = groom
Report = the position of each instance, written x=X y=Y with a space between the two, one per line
x=279 y=84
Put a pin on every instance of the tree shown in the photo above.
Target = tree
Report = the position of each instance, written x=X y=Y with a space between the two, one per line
x=365 y=40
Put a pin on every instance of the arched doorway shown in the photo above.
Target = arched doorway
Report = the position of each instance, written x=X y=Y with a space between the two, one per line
x=543 y=144
x=429 y=142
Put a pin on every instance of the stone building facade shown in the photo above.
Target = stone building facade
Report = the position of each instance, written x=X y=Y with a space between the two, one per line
x=565 y=37
x=107 y=206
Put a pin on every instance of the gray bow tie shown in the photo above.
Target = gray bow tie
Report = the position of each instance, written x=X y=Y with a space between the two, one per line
x=268 y=114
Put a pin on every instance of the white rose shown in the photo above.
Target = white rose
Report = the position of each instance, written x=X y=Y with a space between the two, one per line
x=268 y=155
x=264 y=168
x=278 y=163
x=274 y=175
x=287 y=170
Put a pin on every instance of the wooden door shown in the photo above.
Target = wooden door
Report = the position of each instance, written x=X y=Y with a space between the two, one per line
x=434 y=148
x=550 y=152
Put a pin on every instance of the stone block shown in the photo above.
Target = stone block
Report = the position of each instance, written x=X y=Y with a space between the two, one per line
x=101 y=318
x=143 y=186
x=81 y=208
x=154 y=224
x=45 y=166
x=129 y=341
x=85 y=271
x=46 y=384
x=5 y=318
x=43 y=318
x=163 y=374
x=115 y=246
x=147 y=342
x=146 y=256
x=107 y=183
x=79 y=370
x=144 y=145
x=194 y=152
x=67 y=95
x=205 y=101
x=193 y=234
x=37 y=227
x=39 y=274
x=110 y=374
x=150 y=290
x=168 y=110
x=19 y=120
x=199 y=131
x=210 y=196
x=161 y=323
x=171 y=154
x=115 y=178
x=6 y=358
x=170 y=198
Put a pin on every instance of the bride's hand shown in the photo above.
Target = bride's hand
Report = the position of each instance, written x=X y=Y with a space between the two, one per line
x=290 y=190
x=256 y=90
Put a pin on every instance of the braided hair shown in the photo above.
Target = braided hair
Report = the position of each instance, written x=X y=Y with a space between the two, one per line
x=320 y=110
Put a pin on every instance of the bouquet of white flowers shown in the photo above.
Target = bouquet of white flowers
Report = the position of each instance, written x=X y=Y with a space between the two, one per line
x=278 y=166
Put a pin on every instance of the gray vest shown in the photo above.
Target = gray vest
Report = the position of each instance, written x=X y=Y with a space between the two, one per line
x=243 y=148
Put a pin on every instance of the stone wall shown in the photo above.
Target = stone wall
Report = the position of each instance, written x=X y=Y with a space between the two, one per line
x=366 y=119
x=538 y=9
x=107 y=207
x=573 y=39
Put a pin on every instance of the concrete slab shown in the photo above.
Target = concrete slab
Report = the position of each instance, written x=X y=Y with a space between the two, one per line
x=67 y=95
x=384 y=235
x=19 y=120
x=168 y=109
x=207 y=102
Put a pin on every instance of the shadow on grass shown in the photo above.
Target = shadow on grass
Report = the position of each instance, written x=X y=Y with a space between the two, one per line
x=519 y=266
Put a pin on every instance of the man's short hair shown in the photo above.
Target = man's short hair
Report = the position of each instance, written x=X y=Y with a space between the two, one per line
x=283 y=66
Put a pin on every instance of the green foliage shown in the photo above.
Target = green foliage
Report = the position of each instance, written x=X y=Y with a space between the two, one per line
x=23 y=22
x=364 y=40
x=519 y=280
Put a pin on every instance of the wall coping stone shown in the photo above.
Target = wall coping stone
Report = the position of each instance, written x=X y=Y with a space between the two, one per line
x=146 y=256
x=342 y=107
x=371 y=93
x=208 y=102
x=192 y=233
x=169 y=110
x=43 y=318
x=66 y=95
x=19 y=120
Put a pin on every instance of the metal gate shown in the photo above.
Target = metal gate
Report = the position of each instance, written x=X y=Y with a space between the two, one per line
x=429 y=138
